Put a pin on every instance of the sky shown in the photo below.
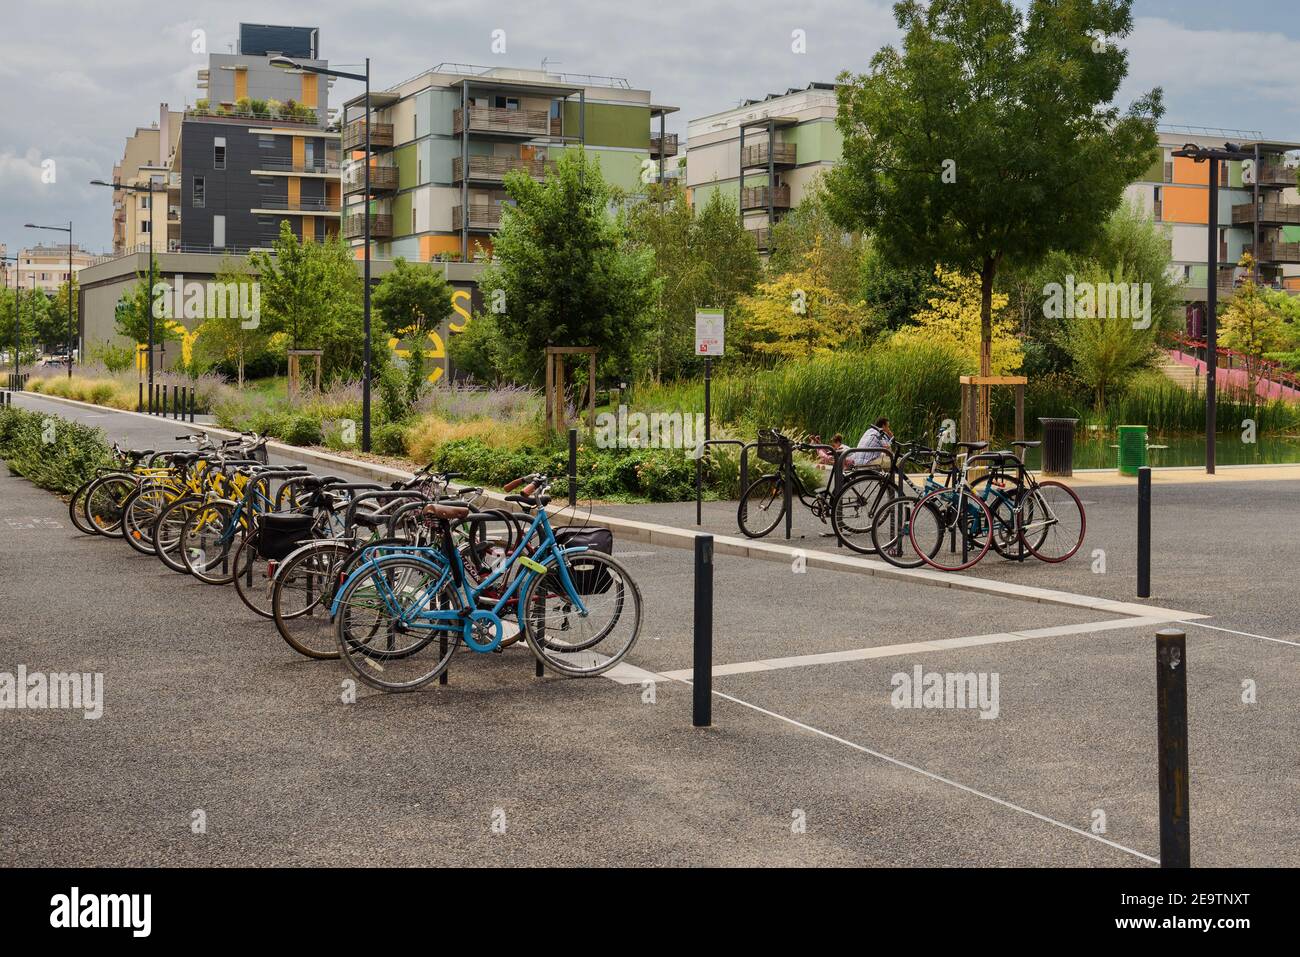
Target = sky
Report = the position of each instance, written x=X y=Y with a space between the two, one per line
x=80 y=76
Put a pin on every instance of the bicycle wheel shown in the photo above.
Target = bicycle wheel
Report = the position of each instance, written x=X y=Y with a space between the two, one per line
x=77 y=509
x=1003 y=495
x=380 y=636
x=1054 y=522
x=254 y=577
x=949 y=529
x=890 y=536
x=168 y=529
x=854 y=506
x=140 y=512
x=761 y=506
x=105 y=499
x=568 y=641
x=208 y=539
x=302 y=591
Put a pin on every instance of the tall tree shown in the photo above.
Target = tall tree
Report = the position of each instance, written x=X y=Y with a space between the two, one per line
x=16 y=305
x=131 y=315
x=230 y=337
x=1251 y=325
x=990 y=137
x=808 y=224
x=413 y=300
x=565 y=271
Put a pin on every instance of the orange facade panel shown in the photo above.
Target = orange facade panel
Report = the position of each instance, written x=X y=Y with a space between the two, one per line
x=299 y=152
x=1191 y=172
x=308 y=97
x=1185 y=205
x=241 y=83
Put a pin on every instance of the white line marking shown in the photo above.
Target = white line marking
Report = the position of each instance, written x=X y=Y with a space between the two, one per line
x=1245 y=634
x=940 y=778
x=917 y=647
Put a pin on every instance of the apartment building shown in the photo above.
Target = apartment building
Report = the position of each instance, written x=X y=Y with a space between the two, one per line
x=764 y=154
x=147 y=157
x=256 y=149
x=1258 y=212
x=45 y=267
x=442 y=142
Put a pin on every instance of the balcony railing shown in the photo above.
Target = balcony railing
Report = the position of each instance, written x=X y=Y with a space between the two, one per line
x=1279 y=252
x=481 y=216
x=486 y=119
x=1271 y=213
x=494 y=168
x=757 y=197
x=354 y=135
x=308 y=204
x=665 y=147
x=1275 y=174
x=233 y=115
x=381 y=225
x=328 y=167
x=761 y=236
x=383 y=179
x=783 y=154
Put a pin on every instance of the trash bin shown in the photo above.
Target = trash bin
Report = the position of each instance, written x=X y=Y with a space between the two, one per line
x=1132 y=448
x=1058 y=446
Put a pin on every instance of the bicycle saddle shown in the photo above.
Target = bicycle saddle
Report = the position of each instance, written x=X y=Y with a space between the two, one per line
x=973 y=446
x=1027 y=445
x=448 y=513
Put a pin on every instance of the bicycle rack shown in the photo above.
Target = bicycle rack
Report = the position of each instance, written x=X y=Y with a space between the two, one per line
x=699 y=472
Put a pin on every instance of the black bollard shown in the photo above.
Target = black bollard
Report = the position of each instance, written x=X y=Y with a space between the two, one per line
x=1171 y=736
x=1144 y=532
x=702 y=704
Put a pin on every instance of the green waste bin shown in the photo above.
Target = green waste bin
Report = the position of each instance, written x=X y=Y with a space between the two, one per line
x=1132 y=448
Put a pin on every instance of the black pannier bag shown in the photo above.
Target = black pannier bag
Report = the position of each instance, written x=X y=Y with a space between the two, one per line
x=279 y=533
x=595 y=579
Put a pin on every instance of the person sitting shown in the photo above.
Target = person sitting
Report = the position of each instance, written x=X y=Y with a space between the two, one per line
x=876 y=443
x=827 y=456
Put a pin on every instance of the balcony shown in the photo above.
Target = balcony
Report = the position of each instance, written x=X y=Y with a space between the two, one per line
x=1279 y=253
x=326 y=167
x=493 y=169
x=381 y=225
x=783 y=154
x=354 y=136
x=761 y=236
x=383 y=179
x=665 y=146
x=305 y=205
x=761 y=197
x=1270 y=214
x=483 y=216
x=486 y=119
x=1275 y=174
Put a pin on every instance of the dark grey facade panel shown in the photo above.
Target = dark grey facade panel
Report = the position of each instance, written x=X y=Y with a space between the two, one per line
x=264 y=39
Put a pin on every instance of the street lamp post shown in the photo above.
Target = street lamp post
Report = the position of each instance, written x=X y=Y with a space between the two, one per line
x=65 y=229
x=1202 y=154
x=149 y=294
x=286 y=63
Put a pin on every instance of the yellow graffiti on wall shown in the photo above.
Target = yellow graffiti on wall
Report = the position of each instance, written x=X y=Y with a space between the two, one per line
x=433 y=348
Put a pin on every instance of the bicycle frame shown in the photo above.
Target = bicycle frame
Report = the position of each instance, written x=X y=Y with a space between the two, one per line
x=452 y=567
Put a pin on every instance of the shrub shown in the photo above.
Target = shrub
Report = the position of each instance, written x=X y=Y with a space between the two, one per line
x=51 y=452
x=301 y=428
x=389 y=439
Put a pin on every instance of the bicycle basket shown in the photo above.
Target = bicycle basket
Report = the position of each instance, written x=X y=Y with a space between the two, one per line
x=279 y=533
x=771 y=446
x=588 y=578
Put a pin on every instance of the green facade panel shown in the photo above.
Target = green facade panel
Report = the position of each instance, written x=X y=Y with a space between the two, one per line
x=621 y=168
x=404 y=157
x=1156 y=171
x=817 y=142
x=610 y=125
x=1291 y=234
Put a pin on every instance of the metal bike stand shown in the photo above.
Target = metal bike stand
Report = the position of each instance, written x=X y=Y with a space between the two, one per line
x=699 y=472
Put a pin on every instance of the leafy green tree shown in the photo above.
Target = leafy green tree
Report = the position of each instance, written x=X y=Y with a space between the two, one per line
x=476 y=351
x=989 y=138
x=54 y=335
x=810 y=224
x=232 y=338
x=413 y=300
x=893 y=294
x=131 y=316
x=567 y=269
x=1251 y=325
x=17 y=302
x=311 y=294
x=703 y=257
x=1106 y=350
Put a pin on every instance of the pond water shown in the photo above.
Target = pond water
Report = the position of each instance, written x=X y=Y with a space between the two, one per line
x=1095 y=450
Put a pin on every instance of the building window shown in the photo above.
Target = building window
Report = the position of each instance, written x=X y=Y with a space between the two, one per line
x=309 y=153
x=219 y=152
x=506 y=103
x=199 y=192
x=265 y=142
x=218 y=231
x=146 y=226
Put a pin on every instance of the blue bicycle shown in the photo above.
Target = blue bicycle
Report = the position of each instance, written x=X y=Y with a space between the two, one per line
x=402 y=613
